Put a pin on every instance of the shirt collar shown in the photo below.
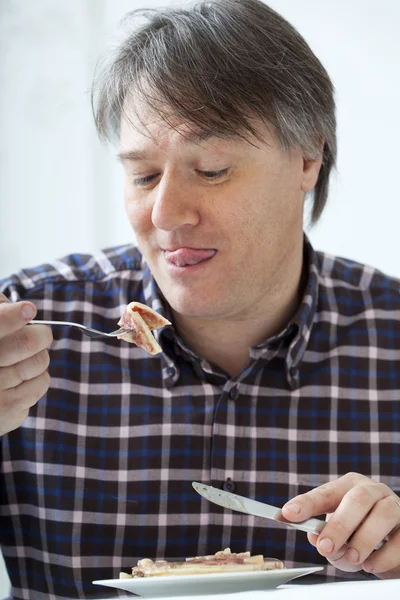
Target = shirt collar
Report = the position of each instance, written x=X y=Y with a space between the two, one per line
x=292 y=340
x=165 y=336
x=302 y=323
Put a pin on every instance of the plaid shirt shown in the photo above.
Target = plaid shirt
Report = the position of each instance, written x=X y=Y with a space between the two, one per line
x=100 y=473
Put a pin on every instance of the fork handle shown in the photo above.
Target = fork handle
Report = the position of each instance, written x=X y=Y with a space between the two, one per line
x=41 y=322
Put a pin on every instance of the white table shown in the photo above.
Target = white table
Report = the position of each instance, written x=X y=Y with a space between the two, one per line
x=352 y=590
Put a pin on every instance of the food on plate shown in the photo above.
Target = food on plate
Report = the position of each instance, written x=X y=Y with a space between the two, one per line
x=223 y=561
x=138 y=320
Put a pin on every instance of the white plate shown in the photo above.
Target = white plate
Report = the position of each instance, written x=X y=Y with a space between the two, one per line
x=209 y=583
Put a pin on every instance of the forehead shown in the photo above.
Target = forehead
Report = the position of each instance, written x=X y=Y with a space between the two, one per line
x=145 y=126
x=142 y=124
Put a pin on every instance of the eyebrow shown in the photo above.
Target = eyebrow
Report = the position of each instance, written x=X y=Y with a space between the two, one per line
x=132 y=155
x=194 y=137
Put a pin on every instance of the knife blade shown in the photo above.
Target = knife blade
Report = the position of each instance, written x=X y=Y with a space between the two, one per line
x=253 y=507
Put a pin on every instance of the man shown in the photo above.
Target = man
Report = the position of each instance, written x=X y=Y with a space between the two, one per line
x=279 y=378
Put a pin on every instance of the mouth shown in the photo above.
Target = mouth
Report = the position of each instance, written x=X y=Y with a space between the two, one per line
x=188 y=257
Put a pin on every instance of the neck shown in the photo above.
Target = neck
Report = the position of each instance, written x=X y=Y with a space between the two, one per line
x=225 y=341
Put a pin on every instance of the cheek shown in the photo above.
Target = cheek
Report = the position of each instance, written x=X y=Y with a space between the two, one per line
x=139 y=216
x=268 y=219
x=129 y=207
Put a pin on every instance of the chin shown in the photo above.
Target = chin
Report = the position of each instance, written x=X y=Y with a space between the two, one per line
x=191 y=305
x=192 y=309
x=196 y=299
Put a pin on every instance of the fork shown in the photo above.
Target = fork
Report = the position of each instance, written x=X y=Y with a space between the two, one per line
x=89 y=331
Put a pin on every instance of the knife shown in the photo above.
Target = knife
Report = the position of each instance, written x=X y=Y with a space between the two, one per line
x=253 y=507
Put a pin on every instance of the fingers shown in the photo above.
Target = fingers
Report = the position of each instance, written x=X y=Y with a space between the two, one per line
x=364 y=513
x=20 y=345
x=338 y=559
x=13 y=316
x=385 y=562
x=323 y=499
x=361 y=512
x=25 y=370
x=312 y=538
x=28 y=393
x=23 y=362
x=15 y=402
x=382 y=523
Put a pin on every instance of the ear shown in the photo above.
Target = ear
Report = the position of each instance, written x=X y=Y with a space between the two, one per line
x=311 y=169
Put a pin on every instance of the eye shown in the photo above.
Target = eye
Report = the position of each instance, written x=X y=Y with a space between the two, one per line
x=143 y=181
x=213 y=174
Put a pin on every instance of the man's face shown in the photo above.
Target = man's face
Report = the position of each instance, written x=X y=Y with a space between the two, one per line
x=219 y=221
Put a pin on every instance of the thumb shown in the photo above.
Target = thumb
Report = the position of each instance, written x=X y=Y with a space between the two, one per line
x=14 y=315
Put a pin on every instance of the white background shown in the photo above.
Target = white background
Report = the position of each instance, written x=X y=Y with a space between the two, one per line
x=60 y=190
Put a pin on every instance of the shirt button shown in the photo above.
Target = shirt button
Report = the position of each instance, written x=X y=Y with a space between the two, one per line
x=170 y=371
x=228 y=485
x=234 y=393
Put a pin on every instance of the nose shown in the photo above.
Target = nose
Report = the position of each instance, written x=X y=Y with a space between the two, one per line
x=174 y=204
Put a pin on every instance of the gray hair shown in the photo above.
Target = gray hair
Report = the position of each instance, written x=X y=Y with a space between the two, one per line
x=218 y=65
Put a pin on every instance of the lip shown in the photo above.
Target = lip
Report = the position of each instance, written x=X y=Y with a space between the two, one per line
x=187 y=258
x=175 y=248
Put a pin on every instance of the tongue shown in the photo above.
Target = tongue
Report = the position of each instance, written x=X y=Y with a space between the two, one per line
x=188 y=256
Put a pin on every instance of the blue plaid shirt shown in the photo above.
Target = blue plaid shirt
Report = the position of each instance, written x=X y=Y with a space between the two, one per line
x=100 y=473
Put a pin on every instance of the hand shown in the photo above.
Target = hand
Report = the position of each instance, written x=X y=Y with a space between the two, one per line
x=359 y=507
x=23 y=362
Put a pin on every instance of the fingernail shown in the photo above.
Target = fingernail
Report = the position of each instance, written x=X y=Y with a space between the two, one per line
x=27 y=312
x=352 y=555
x=367 y=566
x=326 y=545
x=294 y=508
